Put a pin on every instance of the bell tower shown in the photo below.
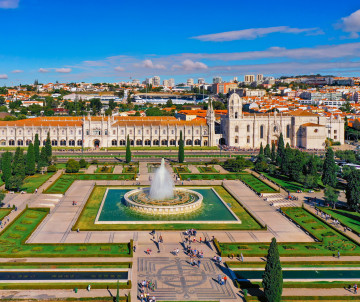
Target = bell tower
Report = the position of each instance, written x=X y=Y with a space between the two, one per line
x=234 y=107
x=210 y=119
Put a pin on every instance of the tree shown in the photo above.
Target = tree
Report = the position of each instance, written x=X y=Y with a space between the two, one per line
x=353 y=190
x=128 y=151
x=15 y=182
x=331 y=196
x=18 y=164
x=267 y=151
x=273 y=152
x=117 y=292
x=37 y=148
x=72 y=166
x=280 y=150
x=261 y=151
x=82 y=163
x=30 y=160
x=6 y=160
x=273 y=278
x=48 y=149
x=181 y=154
x=169 y=103
x=43 y=161
x=329 y=169
x=236 y=164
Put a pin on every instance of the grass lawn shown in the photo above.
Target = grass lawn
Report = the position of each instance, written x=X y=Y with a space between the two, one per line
x=104 y=169
x=211 y=176
x=331 y=241
x=88 y=215
x=207 y=169
x=14 y=236
x=257 y=184
x=62 y=184
x=181 y=169
x=285 y=182
x=63 y=265
x=61 y=165
x=67 y=285
x=4 y=212
x=35 y=181
x=348 y=218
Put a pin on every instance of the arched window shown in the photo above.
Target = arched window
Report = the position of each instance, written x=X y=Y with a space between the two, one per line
x=79 y=142
x=237 y=129
x=114 y=142
x=71 y=142
x=155 y=142
x=11 y=142
x=236 y=115
x=248 y=139
x=188 y=142
x=28 y=141
x=54 y=142
x=131 y=142
x=248 y=128
x=122 y=142
x=164 y=142
x=197 y=142
x=205 y=143
x=138 y=142
x=20 y=142
x=44 y=142
x=147 y=142
x=172 y=142
x=262 y=131
x=288 y=131
x=236 y=139
x=63 y=142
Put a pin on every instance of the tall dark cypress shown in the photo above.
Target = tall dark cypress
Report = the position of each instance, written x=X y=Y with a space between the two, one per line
x=273 y=277
x=6 y=160
x=181 y=154
x=18 y=164
x=48 y=149
x=30 y=160
x=273 y=152
x=37 y=148
x=128 y=151
x=280 y=150
x=329 y=169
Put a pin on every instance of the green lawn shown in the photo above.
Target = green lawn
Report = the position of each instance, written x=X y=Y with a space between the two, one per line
x=61 y=165
x=181 y=169
x=63 y=265
x=35 y=181
x=104 y=169
x=4 y=212
x=14 y=236
x=207 y=169
x=257 y=184
x=88 y=215
x=285 y=182
x=330 y=240
x=348 y=218
x=62 y=184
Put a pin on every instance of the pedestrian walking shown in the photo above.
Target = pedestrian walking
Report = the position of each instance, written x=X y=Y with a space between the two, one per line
x=355 y=288
x=134 y=248
x=242 y=257
x=225 y=279
x=199 y=262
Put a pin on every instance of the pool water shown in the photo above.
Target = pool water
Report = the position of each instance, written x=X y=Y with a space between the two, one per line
x=212 y=209
x=303 y=274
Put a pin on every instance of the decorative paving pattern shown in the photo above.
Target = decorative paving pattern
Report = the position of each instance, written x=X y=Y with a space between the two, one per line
x=176 y=279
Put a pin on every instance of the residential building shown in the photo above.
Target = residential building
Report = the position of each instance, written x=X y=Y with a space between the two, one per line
x=249 y=78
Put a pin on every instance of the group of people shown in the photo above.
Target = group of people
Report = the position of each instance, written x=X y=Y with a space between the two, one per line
x=194 y=252
x=145 y=287
x=222 y=279
x=5 y=220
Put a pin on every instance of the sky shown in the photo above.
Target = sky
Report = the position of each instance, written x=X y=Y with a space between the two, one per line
x=118 y=40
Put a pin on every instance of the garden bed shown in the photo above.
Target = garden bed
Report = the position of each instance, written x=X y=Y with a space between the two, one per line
x=104 y=169
x=207 y=169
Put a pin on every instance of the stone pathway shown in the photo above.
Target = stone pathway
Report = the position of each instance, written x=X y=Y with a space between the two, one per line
x=118 y=169
x=91 y=169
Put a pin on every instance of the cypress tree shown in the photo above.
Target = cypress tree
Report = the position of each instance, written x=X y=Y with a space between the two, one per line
x=43 y=161
x=267 y=151
x=37 y=148
x=128 y=151
x=117 y=292
x=280 y=150
x=261 y=151
x=30 y=160
x=273 y=152
x=181 y=154
x=329 y=169
x=48 y=149
x=273 y=278
x=18 y=164
x=353 y=190
x=6 y=160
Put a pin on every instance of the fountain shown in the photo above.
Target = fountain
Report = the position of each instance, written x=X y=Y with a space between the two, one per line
x=162 y=197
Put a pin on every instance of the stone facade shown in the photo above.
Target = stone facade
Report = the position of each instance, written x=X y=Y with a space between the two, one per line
x=238 y=129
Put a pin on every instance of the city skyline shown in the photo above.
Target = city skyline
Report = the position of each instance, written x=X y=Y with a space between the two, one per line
x=118 y=41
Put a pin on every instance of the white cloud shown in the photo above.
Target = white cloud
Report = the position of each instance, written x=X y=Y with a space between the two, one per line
x=43 y=70
x=3 y=76
x=150 y=64
x=351 y=24
x=94 y=63
x=119 y=68
x=6 y=4
x=253 y=33
x=189 y=65
x=17 y=71
x=63 y=70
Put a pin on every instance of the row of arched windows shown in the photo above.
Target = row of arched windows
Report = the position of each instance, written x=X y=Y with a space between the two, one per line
x=54 y=142
x=156 y=142
x=262 y=130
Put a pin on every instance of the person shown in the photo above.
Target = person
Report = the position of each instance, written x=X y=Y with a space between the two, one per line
x=355 y=288
x=199 y=262
x=36 y=190
x=242 y=257
x=134 y=248
x=200 y=240
x=219 y=279
x=88 y=287
x=141 y=297
x=153 y=299
x=225 y=279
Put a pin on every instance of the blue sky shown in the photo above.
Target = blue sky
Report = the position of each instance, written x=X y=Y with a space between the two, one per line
x=109 y=41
